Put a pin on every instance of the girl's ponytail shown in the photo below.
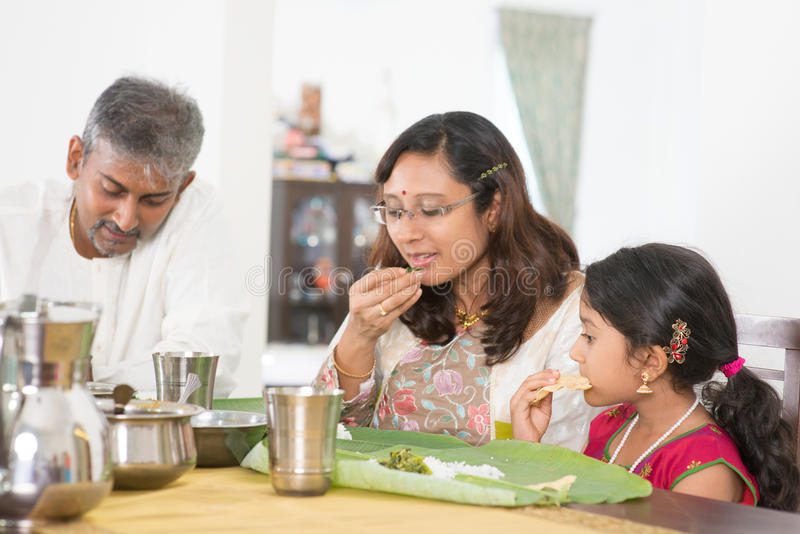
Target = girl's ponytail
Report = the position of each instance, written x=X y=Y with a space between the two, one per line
x=749 y=410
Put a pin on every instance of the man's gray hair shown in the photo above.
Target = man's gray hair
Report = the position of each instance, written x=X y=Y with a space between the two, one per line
x=150 y=123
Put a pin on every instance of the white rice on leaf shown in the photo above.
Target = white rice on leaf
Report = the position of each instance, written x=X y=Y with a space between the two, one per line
x=448 y=470
x=342 y=432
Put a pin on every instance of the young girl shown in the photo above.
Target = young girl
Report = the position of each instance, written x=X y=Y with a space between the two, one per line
x=656 y=323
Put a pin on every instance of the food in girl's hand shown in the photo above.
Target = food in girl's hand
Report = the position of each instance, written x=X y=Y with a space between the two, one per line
x=576 y=382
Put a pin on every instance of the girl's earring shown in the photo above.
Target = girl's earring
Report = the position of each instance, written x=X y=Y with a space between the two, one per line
x=644 y=389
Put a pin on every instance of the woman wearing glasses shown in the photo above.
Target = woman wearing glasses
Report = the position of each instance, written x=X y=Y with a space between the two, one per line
x=473 y=292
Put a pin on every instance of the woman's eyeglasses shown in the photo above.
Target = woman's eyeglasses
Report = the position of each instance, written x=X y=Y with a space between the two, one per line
x=385 y=214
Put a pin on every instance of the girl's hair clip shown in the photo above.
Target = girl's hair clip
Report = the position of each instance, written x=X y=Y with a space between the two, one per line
x=679 y=344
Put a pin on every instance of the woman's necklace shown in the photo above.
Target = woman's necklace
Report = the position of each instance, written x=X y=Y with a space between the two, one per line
x=466 y=320
x=658 y=442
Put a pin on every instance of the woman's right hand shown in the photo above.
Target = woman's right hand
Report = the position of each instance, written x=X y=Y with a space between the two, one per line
x=379 y=298
x=376 y=300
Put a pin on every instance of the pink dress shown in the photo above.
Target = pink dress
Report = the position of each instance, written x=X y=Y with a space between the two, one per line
x=676 y=458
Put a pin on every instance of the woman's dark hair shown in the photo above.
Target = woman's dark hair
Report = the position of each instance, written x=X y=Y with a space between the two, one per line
x=641 y=292
x=530 y=256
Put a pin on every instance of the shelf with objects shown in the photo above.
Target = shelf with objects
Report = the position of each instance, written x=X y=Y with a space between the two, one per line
x=321 y=236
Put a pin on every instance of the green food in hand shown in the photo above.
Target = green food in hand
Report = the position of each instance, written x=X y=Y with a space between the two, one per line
x=404 y=460
x=411 y=269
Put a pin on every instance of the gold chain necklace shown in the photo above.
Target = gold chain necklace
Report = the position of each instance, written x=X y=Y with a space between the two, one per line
x=72 y=211
x=467 y=320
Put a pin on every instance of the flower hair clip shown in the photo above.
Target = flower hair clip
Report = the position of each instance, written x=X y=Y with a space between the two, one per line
x=493 y=170
x=679 y=344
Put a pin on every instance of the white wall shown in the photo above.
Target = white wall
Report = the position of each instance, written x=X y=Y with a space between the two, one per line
x=56 y=58
x=246 y=162
x=747 y=211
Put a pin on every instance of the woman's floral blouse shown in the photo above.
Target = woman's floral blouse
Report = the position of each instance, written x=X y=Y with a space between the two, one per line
x=449 y=389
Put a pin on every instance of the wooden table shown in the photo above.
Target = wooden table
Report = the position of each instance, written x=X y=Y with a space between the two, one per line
x=237 y=500
x=695 y=514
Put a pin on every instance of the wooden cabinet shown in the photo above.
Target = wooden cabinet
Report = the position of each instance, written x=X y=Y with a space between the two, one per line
x=320 y=239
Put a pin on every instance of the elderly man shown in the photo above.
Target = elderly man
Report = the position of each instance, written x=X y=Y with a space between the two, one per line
x=133 y=231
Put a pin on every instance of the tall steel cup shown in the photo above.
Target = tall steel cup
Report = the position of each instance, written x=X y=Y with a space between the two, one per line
x=172 y=370
x=301 y=432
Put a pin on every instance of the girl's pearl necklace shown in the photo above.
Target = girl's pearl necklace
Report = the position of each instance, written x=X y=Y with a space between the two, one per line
x=658 y=442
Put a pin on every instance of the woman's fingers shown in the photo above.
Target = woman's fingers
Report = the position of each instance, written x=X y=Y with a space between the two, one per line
x=379 y=285
x=392 y=292
x=376 y=278
x=396 y=300
x=404 y=306
x=380 y=297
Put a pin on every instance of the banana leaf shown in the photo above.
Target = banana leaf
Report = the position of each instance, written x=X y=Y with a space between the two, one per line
x=253 y=404
x=522 y=463
x=373 y=476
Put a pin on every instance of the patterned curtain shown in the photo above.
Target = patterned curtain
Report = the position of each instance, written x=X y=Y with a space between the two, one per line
x=546 y=57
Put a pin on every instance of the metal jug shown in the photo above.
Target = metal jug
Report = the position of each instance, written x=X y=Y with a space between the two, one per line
x=55 y=458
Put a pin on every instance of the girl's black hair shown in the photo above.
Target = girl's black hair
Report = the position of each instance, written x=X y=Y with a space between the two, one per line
x=641 y=292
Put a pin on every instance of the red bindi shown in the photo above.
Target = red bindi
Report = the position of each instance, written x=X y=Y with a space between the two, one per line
x=404 y=192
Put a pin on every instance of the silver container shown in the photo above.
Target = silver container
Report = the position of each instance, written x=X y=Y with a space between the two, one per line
x=152 y=443
x=225 y=437
x=301 y=431
x=172 y=369
x=55 y=460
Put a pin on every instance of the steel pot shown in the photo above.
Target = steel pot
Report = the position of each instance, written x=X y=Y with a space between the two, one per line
x=152 y=443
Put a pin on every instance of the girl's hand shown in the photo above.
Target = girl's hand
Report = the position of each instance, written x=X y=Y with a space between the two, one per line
x=379 y=298
x=530 y=422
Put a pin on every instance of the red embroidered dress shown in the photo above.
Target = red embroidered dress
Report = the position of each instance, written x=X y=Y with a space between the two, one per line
x=676 y=458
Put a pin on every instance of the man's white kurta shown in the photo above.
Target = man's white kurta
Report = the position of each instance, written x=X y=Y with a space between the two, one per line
x=173 y=292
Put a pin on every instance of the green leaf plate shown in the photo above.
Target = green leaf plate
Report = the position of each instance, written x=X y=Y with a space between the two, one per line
x=522 y=463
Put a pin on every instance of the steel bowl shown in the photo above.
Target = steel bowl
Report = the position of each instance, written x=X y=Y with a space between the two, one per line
x=152 y=443
x=225 y=437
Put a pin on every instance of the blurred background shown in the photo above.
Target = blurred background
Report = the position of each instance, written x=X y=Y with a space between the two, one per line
x=637 y=120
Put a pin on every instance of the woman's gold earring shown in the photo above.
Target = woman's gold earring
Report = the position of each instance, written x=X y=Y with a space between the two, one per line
x=644 y=389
